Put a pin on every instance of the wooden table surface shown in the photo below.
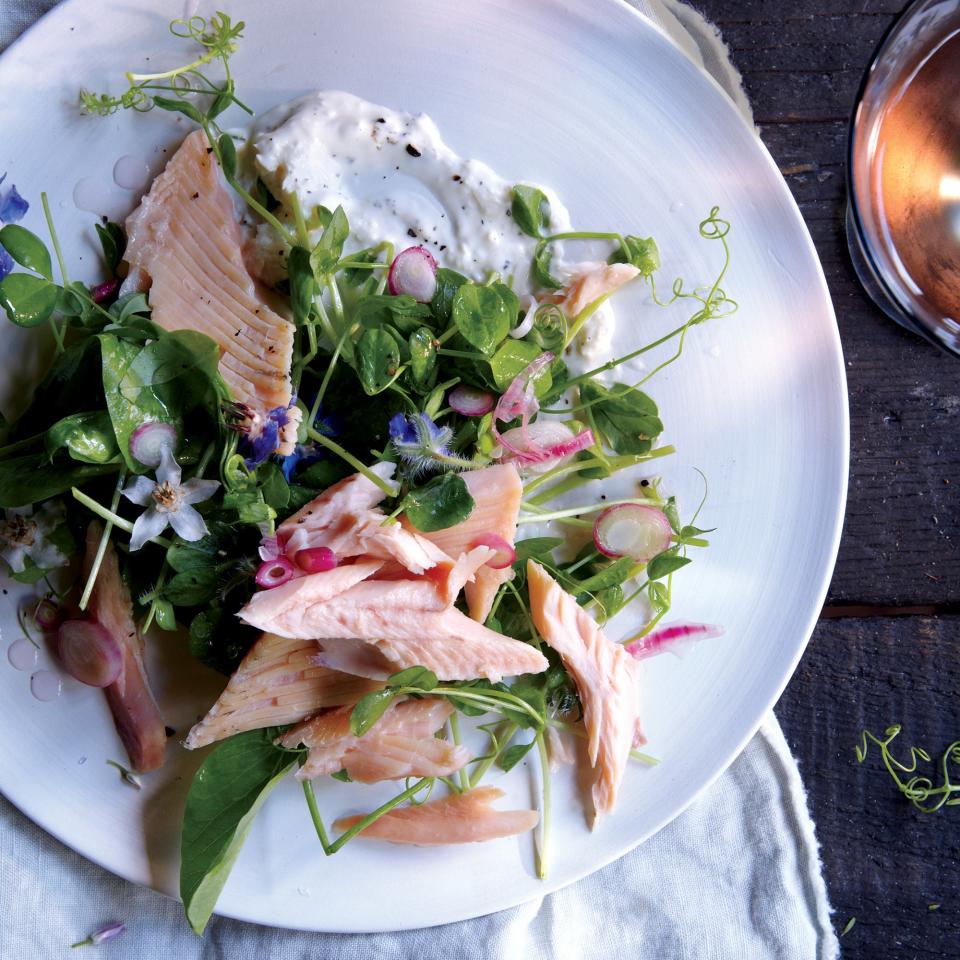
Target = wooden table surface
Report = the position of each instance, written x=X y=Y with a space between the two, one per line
x=887 y=649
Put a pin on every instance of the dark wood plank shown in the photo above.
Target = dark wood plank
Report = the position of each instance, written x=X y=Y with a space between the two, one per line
x=801 y=67
x=884 y=862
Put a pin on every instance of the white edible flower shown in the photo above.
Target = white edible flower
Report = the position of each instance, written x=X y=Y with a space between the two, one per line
x=169 y=502
x=23 y=536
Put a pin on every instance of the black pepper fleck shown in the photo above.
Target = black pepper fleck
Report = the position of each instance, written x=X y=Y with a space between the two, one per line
x=169 y=731
x=644 y=483
x=413 y=151
x=411 y=232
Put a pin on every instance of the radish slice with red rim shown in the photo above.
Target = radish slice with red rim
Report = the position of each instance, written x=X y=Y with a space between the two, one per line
x=413 y=271
x=46 y=614
x=89 y=653
x=469 y=401
x=149 y=440
x=505 y=553
x=632 y=530
x=316 y=559
x=275 y=573
x=675 y=638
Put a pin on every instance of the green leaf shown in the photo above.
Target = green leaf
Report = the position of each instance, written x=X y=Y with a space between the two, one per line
x=536 y=548
x=611 y=575
x=530 y=209
x=423 y=358
x=179 y=106
x=625 y=417
x=276 y=490
x=642 y=253
x=482 y=316
x=513 y=755
x=379 y=358
x=220 y=102
x=342 y=776
x=303 y=284
x=191 y=588
x=164 y=616
x=513 y=357
x=87 y=437
x=129 y=306
x=28 y=300
x=27 y=249
x=113 y=241
x=448 y=283
x=443 y=502
x=329 y=247
x=370 y=709
x=663 y=564
x=225 y=797
x=540 y=267
x=355 y=276
x=419 y=677
x=32 y=478
x=672 y=514
x=402 y=311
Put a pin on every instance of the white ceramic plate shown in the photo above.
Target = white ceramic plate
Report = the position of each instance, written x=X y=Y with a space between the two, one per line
x=585 y=96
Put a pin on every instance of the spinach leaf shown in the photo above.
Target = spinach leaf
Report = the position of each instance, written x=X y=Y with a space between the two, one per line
x=276 y=490
x=379 y=358
x=87 y=437
x=329 y=247
x=483 y=316
x=192 y=587
x=303 y=285
x=513 y=357
x=536 y=548
x=370 y=709
x=225 y=797
x=402 y=311
x=642 y=253
x=32 y=478
x=626 y=418
x=448 y=283
x=530 y=209
x=540 y=267
x=27 y=249
x=419 y=677
x=513 y=755
x=423 y=358
x=242 y=493
x=28 y=300
x=443 y=502
x=663 y=564
x=113 y=241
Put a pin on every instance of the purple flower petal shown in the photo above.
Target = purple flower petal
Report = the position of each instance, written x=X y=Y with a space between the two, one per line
x=187 y=523
x=12 y=206
x=151 y=523
x=402 y=429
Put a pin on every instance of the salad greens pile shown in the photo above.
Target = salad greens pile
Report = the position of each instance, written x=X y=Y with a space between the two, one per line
x=372 y=373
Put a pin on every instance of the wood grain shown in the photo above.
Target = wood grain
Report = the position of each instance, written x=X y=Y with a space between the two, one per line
x=884 y=862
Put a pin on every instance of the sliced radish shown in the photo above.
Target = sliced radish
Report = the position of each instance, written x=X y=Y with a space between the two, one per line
x=275 y=573
x=542 y=444
x=675 y=638
x=46 y=614
x=413 y=271
x=89 y=653
x=505 y=552
x=148 y=441
x=269 y=548
x=632 y=530
x=316 y=559
x=469 y=401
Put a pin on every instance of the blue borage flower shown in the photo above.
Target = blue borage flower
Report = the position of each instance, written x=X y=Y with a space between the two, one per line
x=422 y=445
x=262 y=435
x=12 y=209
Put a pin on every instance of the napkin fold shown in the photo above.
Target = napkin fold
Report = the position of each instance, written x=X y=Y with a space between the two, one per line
x=737 y=875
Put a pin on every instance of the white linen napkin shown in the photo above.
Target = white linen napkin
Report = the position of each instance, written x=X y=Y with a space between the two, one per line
x=737 y=875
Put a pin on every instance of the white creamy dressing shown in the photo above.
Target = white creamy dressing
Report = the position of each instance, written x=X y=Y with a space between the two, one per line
x=397 y=181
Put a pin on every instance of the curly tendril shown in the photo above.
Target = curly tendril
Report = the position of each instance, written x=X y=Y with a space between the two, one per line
x=919 y=790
